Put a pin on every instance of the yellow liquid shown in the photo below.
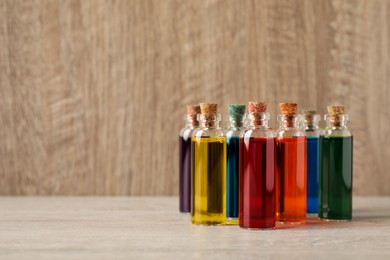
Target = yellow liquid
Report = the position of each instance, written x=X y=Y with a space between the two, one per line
x=231 y=221
x=208 y=181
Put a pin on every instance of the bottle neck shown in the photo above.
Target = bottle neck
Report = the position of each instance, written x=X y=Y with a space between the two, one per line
x=288 y=121
x=258 y=119
x=236 y=122
x=209 y=121
x=191 y=121
x=336 y=120
x=311 y=121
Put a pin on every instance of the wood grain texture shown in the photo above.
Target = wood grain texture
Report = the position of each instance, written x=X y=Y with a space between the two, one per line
x=92 y=93
x=151 y=227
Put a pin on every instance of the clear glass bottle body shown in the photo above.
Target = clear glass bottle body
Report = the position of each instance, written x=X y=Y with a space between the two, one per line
x=335 y=175
x=291 y=170
x=313 y=131
x=257 y=174
x=185 y=164
x=233 y=135
x=208 y=205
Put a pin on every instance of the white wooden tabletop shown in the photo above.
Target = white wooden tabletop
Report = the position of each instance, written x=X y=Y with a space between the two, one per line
x=152 y=227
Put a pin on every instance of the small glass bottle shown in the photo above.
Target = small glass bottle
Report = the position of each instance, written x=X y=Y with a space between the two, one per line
x=310 y=125
x=233 y=134
x=291 y=167
x=208 y=169
x=257 y=175
x=335 y=177
x=185 y=158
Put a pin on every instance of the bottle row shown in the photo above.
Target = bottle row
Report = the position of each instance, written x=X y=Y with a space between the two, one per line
x=254 y=176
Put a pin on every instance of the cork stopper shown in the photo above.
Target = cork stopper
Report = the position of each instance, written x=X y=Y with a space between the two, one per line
x=309 y=115
x=237 y=113
x=192 y=111
x=289 y=109
x=309 y=112
x=257 y=107
x=209 y=111
x=334 y=112
x=256 y=110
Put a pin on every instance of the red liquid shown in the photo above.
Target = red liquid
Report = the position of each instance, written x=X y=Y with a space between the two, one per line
x=257 y=183
x=291 y=179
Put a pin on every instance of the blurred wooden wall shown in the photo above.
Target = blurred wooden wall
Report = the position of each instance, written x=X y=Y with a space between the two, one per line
x=92 y=93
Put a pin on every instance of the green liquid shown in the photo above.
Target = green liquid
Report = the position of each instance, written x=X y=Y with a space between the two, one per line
x=335 y=178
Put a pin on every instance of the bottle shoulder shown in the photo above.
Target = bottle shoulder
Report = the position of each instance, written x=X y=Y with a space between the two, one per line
x=290 y=132
x=313 y=132
x=187 y=132
x=208 y=132
x=337 y=131
x=258 y=132
x=230 y=132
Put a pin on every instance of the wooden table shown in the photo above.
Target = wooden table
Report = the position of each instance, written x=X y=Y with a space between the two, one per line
x=152 y=227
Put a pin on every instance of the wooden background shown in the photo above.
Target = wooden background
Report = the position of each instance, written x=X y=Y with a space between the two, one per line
x=92 y=93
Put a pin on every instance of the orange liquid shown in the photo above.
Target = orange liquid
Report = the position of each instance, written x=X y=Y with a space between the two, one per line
x=291 y=179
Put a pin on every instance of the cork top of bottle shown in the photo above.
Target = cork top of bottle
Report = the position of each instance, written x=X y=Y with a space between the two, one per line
x=209 y=114
x=257 y=107
x=289 y=109
x=311 y=117
x=257 y=110
x=336 y=110
x=236 y=110
x=309 y=112
x=236 y=113
x=336 y=114
x=193 y=110
x=208 y=109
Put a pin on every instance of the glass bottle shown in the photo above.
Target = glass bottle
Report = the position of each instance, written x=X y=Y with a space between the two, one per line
x=185 y=158
x=335 y=176
x=208 y=169
x=310 y=125
x=257 y=175
x=291 y=167
x=233 y=134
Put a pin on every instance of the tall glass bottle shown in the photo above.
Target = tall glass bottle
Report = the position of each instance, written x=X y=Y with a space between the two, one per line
x=185 y=158
x=257 y=175
x=233 y=134
x=208 y=169
x=335 y=178
x=310 y=124
x=291 y=167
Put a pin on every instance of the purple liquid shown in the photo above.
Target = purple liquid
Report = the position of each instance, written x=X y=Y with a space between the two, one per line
x=185 y=174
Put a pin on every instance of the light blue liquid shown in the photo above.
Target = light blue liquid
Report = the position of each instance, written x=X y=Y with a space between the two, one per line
x=312 y=173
